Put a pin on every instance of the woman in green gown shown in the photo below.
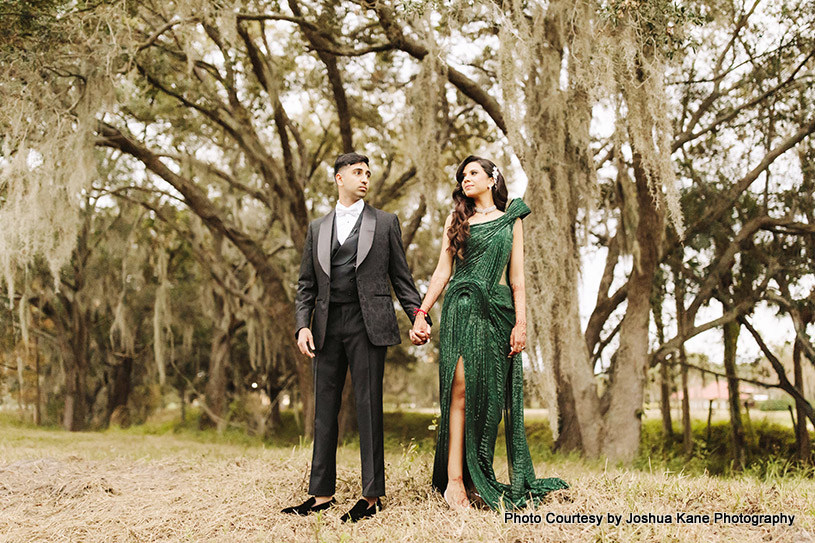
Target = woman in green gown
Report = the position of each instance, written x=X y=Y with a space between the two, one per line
x=483 y=331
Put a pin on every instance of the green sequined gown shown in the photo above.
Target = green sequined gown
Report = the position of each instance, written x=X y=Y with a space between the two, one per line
x=477 y=319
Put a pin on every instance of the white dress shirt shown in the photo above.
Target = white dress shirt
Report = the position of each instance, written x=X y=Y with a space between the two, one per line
x=346 y=219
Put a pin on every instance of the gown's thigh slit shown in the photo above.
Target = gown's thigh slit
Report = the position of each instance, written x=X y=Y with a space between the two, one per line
x=459 y=376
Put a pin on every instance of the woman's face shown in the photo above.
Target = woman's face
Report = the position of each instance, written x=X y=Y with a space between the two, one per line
x=476 y=181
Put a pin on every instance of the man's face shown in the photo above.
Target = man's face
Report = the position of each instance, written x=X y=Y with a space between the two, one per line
x=353 y=180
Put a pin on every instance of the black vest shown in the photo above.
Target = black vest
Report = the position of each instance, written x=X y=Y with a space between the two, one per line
x=343 y=265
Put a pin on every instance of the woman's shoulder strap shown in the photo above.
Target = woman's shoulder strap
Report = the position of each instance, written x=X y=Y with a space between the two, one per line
x=517 y=208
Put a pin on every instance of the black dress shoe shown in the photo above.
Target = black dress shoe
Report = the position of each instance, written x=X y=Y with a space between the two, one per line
x=308 y=507
x=362 y=510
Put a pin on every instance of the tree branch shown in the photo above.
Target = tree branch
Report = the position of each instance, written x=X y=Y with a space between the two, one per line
x=714 y=273
x=395 y=189
x=730 y=196
x=414 y=223
x=717 y=374
x=605 y=305
x=785 y=301
x=675 y=342
x=783 y=382
x=687 y=136
x=161 y=30
x=604 y=343
x=602 y=311
x=321 y=44
x=468 y=87
x=198 y=202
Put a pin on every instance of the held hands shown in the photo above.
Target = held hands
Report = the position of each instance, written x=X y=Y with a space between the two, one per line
x=305 y=342
x=415 y=339
x=420 y=333
x=517 y=340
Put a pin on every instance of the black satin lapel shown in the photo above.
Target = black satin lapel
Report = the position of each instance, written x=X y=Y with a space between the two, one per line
x=366 y=233
x=324 y=243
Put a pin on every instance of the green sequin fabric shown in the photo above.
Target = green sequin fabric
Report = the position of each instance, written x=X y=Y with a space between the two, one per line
x=477 y=319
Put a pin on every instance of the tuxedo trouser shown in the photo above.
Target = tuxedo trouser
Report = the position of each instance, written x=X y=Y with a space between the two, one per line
x=347 y=344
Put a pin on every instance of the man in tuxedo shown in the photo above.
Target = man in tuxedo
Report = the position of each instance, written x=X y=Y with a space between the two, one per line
x=344 y=317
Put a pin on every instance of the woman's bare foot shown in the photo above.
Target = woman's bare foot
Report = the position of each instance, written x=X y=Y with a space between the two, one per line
x=456 y=495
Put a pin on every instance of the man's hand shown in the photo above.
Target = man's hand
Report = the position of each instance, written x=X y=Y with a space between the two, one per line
x=305 y=342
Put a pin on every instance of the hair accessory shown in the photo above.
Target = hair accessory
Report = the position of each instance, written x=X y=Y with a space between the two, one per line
x=495 y=172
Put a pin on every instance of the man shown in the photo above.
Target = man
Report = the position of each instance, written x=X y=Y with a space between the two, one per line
x=344 y=317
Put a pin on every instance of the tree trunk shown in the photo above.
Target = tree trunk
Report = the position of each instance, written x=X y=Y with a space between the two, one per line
x=274 y=419
x=665 y=381
x=215 y=390
x=623 y=421
x=217 y=375
x=731 y=337
x=687 y=434
x=569 y=435
x=72 y=411
x=38 y=399
x=75 y=411
x=182 y=394
x=76 y=367
x=803 y=444
x=579 y=420
x=119 y=392
x=20 y=386
x=664 y=368
x=679 y=294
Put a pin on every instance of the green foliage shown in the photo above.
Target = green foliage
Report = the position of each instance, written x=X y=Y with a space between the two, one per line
x=189 y=428
x=404 y=427
x=25 y=21
x=777 y=404
x=769 y=449
x=12 y=419
x=659 y=24
x=144 y=400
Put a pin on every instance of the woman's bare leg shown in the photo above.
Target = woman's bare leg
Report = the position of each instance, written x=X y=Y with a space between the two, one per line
x=456 y=494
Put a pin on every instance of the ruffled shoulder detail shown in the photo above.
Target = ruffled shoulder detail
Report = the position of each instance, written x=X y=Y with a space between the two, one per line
x=517 y=208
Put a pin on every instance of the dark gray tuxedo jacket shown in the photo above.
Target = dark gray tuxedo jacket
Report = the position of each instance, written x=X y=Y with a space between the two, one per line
x=380 y=256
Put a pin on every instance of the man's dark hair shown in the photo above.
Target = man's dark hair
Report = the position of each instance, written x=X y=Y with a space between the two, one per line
x=347 y=159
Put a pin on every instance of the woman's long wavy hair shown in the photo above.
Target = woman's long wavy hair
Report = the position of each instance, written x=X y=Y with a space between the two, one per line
x=459 y=231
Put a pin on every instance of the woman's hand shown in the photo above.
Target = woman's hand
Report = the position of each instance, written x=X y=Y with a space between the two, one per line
x=517 y=340
x=420 y=333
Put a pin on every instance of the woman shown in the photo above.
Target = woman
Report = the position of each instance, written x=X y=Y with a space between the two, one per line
x=483 y=331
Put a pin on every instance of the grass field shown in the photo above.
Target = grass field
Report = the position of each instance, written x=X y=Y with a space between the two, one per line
x=137 y=485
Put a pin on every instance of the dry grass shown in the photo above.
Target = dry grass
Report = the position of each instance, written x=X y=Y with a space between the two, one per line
x=117 y=486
